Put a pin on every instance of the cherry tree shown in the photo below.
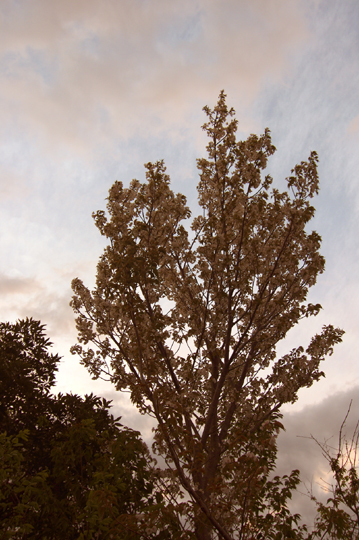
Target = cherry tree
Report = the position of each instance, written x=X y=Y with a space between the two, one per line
x=187 y=321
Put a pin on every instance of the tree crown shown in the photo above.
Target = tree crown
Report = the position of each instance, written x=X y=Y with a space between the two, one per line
x=189 y=323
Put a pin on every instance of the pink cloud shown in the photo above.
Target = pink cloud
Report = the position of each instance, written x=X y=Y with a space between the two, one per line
x=353 y=127
x=79 y=75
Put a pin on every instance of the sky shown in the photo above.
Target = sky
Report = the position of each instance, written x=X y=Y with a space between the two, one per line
x=90 y=91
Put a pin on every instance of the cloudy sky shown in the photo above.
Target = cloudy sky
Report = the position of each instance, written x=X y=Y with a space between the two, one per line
x=90 y=91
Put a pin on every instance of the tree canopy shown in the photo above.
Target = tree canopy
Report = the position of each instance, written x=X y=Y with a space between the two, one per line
x=188 y=320
x=69 y=469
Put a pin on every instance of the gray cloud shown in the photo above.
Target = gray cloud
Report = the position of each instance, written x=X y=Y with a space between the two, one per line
x=296 y=449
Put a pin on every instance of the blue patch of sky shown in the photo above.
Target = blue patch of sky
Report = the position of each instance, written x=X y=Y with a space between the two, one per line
x=44 y=65
x=311 y=110
x=91 y=44
x=181 y=33
x=324 y=79
x=319 y=97
x=11 y=7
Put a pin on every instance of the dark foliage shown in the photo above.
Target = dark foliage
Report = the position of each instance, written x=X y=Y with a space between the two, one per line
x=69 y=469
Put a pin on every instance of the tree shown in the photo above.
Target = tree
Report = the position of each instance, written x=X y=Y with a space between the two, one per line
x=27 y=372
x=338 y=518
x=69 y=469
x=188 y=322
